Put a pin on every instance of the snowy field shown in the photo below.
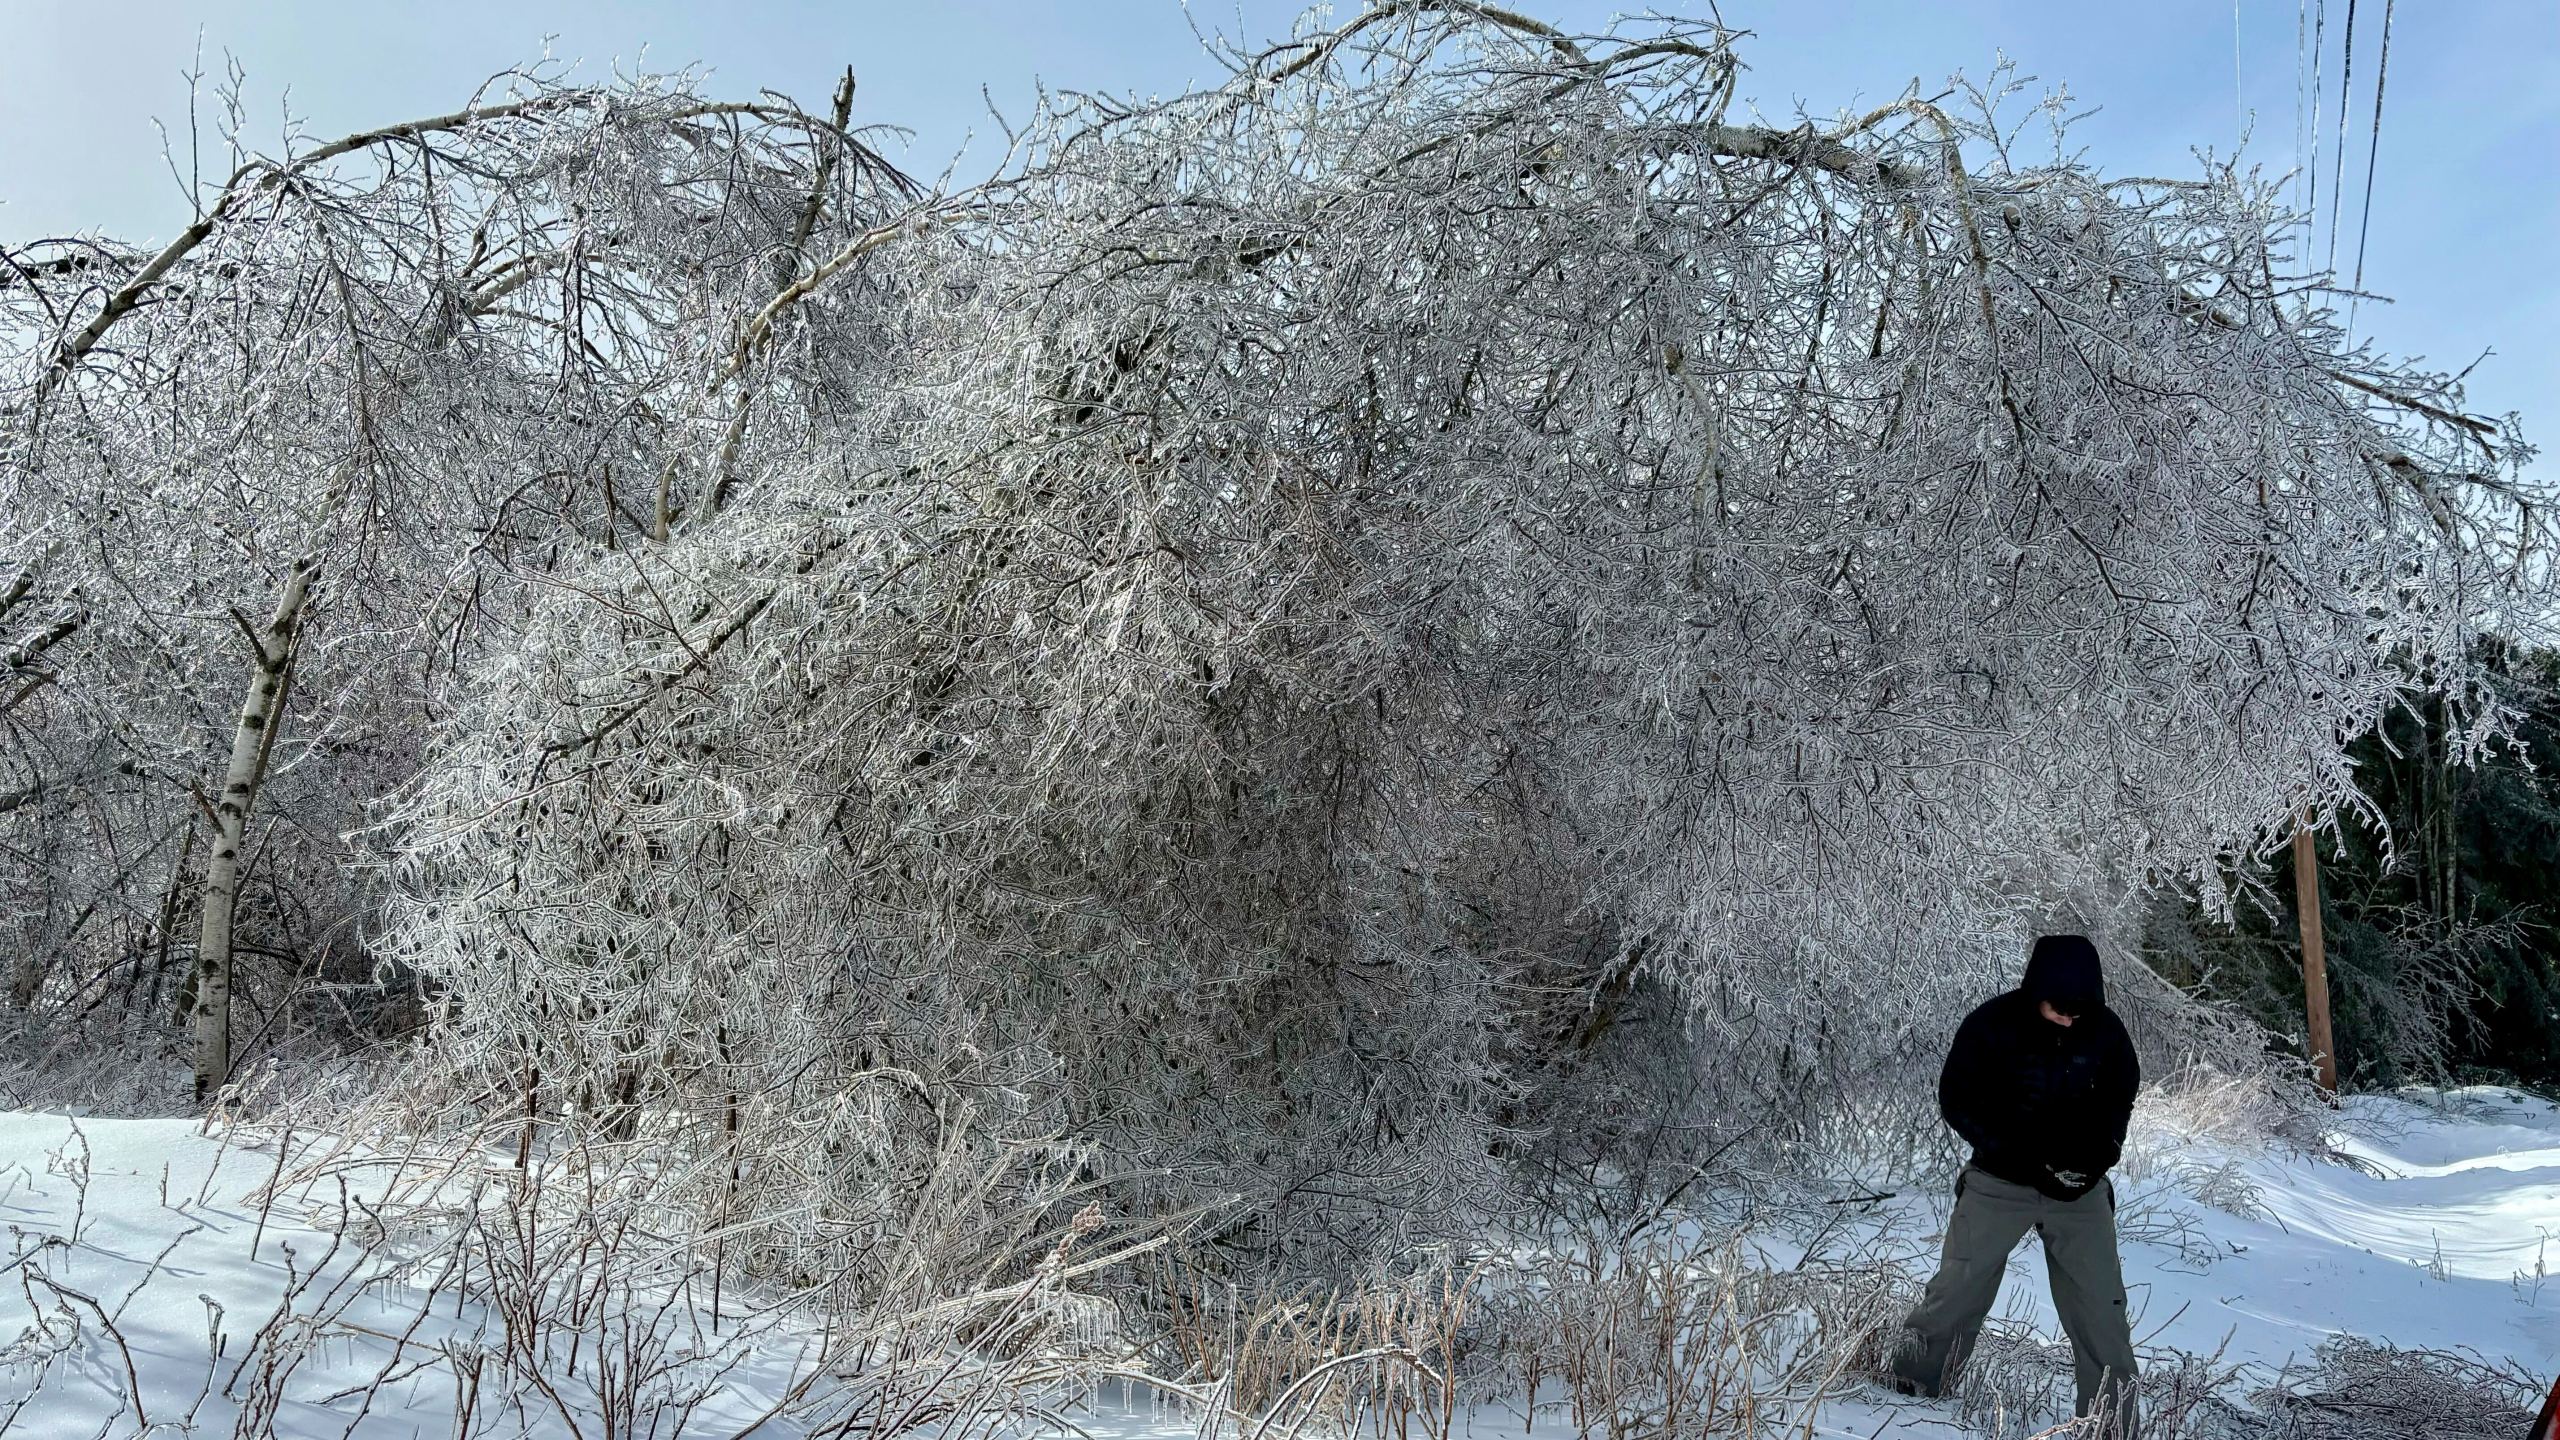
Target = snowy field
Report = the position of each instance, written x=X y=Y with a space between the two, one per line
x=145 y=1261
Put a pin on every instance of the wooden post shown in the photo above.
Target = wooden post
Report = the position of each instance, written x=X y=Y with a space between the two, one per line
x=2315 y=959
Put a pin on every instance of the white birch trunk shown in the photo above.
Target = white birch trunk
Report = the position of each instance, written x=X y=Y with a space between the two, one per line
x=273 y=657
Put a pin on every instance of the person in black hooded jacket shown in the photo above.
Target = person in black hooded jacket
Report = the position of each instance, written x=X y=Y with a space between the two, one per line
x=2040 y=1082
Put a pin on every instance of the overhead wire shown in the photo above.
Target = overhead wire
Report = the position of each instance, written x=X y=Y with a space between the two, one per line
x=2373 y=149
x=2338 y=179
x=2302 y=32
x=2239 y=111
x=2319 y=43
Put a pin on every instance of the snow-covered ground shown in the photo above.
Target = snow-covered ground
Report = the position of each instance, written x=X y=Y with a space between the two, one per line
x=157 y=1281
x=2436 y=1236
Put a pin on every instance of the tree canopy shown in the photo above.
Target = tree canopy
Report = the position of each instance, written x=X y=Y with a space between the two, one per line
x=1384 y=578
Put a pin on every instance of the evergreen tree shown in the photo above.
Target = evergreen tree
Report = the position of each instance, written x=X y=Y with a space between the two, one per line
x=2439 y=902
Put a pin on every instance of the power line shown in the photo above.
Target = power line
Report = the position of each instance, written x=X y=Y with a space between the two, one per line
x=2373 y=149
x=2319 y=42
x=2338 y=180
x=2239 y=111
x=2302 y=32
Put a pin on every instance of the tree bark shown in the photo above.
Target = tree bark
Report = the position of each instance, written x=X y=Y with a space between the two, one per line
x=273 y=651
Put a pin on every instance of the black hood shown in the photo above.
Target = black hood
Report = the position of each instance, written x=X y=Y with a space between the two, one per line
x=2064 y=970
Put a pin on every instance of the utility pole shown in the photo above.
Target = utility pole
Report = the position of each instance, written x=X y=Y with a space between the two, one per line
x=2315 y=959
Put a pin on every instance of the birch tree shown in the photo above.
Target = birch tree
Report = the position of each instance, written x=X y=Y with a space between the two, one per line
x=384 y=377
x=271 y=650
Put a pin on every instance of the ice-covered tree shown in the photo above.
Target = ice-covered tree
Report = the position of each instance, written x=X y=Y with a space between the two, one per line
x=1257 y=640
x=1445 y=604
x=299 y=454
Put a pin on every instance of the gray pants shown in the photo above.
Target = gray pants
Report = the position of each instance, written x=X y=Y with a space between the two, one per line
x=1992 y=1216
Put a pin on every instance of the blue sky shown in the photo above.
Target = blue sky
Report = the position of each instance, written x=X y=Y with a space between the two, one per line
x=2465 y=216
